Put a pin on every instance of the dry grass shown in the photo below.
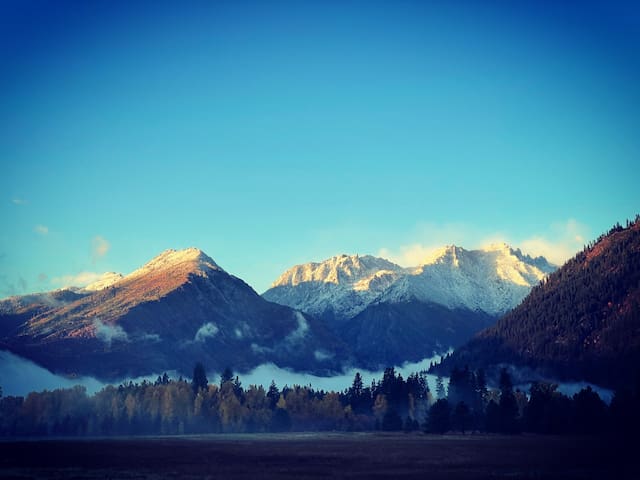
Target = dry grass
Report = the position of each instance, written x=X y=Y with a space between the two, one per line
x=354 y=456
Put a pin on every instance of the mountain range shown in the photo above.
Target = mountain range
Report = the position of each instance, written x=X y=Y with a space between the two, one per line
x=492 y=280
x=581 y=323
x=389 y=314
x=178 y=309
x=181 y=307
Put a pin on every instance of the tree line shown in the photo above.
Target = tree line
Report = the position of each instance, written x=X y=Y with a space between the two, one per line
x=179 y=406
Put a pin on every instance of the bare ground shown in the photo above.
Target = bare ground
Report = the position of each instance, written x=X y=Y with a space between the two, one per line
x=307 y=456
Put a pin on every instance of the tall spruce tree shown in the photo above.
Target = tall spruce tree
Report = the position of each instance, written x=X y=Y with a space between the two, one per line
x=508 y=405
x=226 y=376
x=199 y=381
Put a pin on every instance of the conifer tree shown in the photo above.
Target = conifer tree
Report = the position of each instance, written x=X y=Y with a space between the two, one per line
x=439 y=420
x=226 y=376
x=273 y=395
x=199 y=380
x=440 y=392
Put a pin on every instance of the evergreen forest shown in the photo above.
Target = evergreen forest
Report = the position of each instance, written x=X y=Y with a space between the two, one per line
x=393 y=403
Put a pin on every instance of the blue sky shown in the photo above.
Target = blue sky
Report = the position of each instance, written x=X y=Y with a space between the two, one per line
x=275 y=133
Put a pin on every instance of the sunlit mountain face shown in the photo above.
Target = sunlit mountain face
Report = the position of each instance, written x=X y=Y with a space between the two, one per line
x=582 y=322
x=182 y=307
x=492 y=280
x=388 y=314
x=178 y=309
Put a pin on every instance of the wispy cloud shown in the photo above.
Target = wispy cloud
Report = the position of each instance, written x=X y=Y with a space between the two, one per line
x=99 y=248
x=9 y=288
x=18 y=201
x=207 y=330
x=150 y=337
x=108 y=333
x=409 y=255
x=301 y=329
x=41 y=229
x=559 y=242
x=81 y=279
x=6 y=288
x=563 y=241
x=429 y=237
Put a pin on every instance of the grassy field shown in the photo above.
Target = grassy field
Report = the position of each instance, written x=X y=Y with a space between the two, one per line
x=316 y=456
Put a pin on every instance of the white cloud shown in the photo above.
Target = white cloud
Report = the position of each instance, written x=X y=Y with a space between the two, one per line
x=41 y=230
x=18 y=201
x=566 y=240
x=21 y=376
x=81 y=279
x=301 y=330
x=208 y=330
x=265 y=373
x=409 y=255
x=255 y=348
x=557 y=244
x=99 y=248
x=429 y=237
x=151 y=337
x=108 y=333
x=321 y=355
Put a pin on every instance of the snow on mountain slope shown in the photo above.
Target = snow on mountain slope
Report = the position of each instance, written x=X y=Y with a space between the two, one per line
x=179 y=308
x=106 y=280
x=192 y=260
x=159 y=276
x=339 y=287
x=492 y=280
x=38 y=301
x=341 y=269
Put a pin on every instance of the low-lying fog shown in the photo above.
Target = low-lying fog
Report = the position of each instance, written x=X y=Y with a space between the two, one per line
x=19 y=376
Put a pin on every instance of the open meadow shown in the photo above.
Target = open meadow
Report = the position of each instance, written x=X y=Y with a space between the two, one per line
x=300 y=455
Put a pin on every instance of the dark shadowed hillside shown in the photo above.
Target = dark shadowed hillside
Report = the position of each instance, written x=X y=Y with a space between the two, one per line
x=178 y=309
x=582 y=323
x=392 y=333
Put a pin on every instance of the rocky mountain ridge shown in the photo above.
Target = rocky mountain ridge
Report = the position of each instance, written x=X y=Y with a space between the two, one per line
x=492 y=280
x=179 y=308
x=581 y=323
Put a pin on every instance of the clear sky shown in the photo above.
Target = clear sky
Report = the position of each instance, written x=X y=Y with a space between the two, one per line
x=275 y=133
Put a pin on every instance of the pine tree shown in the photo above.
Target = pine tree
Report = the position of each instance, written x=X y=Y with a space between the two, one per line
x=508 y=405
x=461 y=418
x=440 y=392
x=273 y=394
x=356 y=386
x=199 y=380
x=356 y=395
x=227 y=376
x=439 y=420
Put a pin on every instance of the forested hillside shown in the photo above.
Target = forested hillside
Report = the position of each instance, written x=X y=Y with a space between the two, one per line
x=582 y=323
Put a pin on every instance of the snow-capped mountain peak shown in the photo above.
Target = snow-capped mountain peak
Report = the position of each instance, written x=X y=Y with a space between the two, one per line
x=339 y=270
x=445 y=255
x=493 y=280
x=345 y=284
x=190 y=259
